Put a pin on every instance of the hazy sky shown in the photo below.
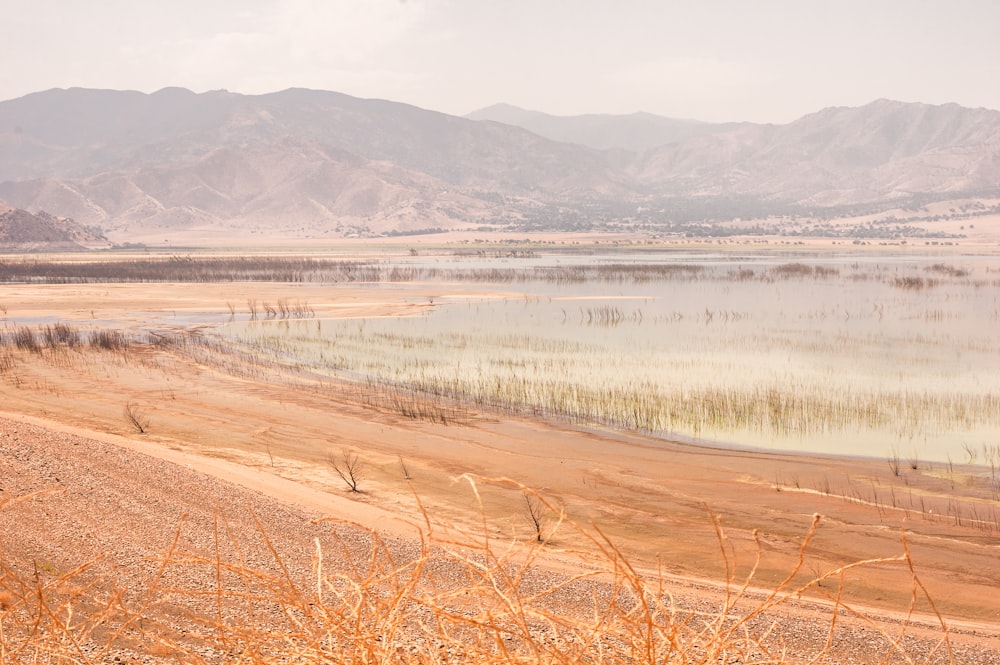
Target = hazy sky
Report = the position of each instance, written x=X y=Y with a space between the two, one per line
x=710 y=59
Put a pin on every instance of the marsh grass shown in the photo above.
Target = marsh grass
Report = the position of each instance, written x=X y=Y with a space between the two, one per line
x=794 y=355
x=449 y=598
x=315 y=269
x=707 y=396
x=191 y=268
x=62 y=336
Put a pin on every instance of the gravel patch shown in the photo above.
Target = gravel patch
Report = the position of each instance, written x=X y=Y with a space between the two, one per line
x=68 y=500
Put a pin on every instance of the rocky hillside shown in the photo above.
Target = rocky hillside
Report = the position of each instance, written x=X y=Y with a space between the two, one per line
x=877 y=153
x=308 y=163
x=22 y=230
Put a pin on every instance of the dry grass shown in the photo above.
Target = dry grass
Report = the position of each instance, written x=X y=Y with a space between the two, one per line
x=446 y=599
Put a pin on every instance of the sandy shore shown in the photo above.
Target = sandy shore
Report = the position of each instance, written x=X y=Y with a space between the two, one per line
x=273 y=433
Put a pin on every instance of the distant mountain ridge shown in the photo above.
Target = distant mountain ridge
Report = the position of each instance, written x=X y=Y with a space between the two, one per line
x=882 y=152
x=636 y=132
x=309 y=163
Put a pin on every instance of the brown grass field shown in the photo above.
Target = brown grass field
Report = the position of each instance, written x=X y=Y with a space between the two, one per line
x=223 y=533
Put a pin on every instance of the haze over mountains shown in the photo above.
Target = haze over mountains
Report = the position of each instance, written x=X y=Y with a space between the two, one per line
x=306 y=163
x=636 y=132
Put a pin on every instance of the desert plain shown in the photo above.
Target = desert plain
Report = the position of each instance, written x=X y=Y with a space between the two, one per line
x=892 y=543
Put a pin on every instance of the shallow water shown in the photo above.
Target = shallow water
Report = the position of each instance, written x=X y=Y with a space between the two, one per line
x=844 y=360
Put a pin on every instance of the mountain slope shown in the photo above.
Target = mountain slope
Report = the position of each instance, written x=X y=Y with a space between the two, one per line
x=310 y=163
x=77 y=133
x=22 y=230
x=636 y=132
x=287 y=187
x=883 y=151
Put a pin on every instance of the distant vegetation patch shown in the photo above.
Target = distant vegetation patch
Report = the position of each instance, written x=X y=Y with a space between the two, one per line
x=190 y=269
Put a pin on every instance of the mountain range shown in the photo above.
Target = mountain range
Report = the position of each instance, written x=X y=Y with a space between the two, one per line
x=309 y=163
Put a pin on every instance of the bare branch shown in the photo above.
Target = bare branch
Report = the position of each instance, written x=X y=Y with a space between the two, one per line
x=348 y=466
x=535 y=512
x=894 y=462
x=136 y=418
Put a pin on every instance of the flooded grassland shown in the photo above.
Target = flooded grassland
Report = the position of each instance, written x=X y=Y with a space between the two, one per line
x=880 y=356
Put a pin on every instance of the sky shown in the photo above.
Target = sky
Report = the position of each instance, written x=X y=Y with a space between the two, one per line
x=712 y=60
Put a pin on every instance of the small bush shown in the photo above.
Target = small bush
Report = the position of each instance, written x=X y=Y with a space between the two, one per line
x=135 y=418
x=109 y=340
x=25 y=339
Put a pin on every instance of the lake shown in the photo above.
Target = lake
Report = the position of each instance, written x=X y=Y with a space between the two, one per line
x=854 y=354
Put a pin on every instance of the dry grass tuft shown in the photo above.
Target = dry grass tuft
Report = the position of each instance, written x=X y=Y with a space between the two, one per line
x=446 y=599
